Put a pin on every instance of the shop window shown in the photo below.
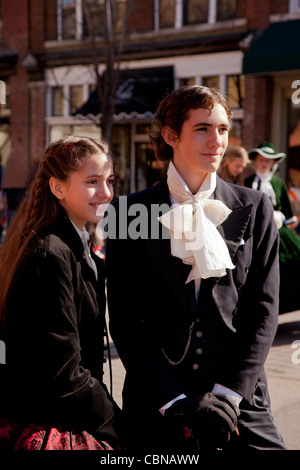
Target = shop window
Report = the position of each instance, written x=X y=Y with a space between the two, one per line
x=236 y=91
x=58 y=131
x=211 y=82
x=190 y=81
x=143 y=128
x=57 y=101
x=76 y=98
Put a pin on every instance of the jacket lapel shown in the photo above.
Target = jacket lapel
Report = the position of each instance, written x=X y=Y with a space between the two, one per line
x=233 y=228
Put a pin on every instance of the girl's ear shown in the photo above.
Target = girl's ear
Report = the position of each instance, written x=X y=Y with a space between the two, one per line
x=56 y=187
x=170 y=136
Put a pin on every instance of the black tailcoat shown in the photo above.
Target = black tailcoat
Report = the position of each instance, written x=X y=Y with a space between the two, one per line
x=150 y=308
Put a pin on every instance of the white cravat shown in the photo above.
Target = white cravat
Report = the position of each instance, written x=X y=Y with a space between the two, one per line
x=192 y=224
x=265 y=185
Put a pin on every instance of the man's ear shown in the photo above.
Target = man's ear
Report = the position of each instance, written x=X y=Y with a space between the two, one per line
x=170 y=136
x=56 y=188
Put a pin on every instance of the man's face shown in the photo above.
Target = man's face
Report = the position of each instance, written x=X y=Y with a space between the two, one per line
x=202 y=142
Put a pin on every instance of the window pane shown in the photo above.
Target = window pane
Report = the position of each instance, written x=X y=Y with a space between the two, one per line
x=226 y=9
x=68 y=19
x=57 y=101
x=76 y=98
x=187 y=81
x=166 y=13
x=236 y=91
x=93 y=17
x=211 y=82
x=236 y=133
x=195 y=11
x=118 y=14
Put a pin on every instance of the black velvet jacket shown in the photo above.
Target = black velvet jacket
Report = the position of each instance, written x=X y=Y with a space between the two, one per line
x=54 y=336
x=147 y=297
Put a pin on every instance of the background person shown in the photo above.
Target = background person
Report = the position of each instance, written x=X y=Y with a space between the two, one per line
x=193 y=315
x=266 y=160
x=233 y=164
x=52 y=306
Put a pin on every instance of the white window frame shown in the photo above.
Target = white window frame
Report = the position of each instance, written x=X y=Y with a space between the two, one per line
x=212 y=14
x=78 y=20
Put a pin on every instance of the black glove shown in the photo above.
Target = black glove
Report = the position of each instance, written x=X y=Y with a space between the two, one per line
x=211 y=418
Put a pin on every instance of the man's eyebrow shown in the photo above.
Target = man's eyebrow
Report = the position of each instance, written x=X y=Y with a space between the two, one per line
x=199 y=124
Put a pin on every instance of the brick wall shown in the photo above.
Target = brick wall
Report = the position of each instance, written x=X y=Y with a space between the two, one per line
x=37 y=124
x=37 y=25
x=15 y=33
x=258 y=110
x=257 y=13
x=142 y=16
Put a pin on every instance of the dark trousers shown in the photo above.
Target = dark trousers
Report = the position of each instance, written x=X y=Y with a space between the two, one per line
x=257 y=430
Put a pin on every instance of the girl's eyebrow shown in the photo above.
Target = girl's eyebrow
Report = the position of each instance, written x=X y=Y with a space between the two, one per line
x=98 y=175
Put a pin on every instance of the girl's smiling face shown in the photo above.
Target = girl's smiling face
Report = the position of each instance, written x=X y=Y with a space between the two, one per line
x=86 y=190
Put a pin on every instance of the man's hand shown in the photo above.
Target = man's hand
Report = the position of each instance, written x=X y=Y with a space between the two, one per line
x=211 y=418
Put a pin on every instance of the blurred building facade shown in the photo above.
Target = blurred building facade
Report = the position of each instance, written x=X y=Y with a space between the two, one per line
x=249 y=49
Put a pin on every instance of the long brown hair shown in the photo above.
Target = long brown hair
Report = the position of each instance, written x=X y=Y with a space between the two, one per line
x=39 y=206
x=233 y=153
x=174 y=110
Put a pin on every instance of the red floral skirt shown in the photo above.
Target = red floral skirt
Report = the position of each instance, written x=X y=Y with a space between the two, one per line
x=43 y=437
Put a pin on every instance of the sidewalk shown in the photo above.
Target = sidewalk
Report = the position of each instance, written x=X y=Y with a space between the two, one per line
x=283 y=378
x=283 y=373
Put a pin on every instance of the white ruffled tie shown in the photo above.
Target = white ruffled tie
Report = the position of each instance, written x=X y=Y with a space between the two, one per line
x=192 y=224
x=265 y=184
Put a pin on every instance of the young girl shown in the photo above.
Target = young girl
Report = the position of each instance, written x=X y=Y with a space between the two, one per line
x=233 y=164
x=52 y=307
x=266 y=161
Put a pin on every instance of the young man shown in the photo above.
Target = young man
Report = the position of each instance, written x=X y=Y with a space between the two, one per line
x=193 y=314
